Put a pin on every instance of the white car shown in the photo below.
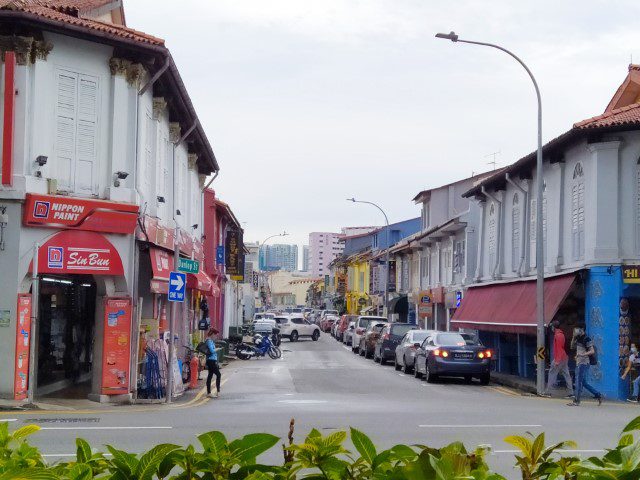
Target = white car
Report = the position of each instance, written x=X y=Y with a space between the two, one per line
x=361 y=325
x=347 y=337
x=261 y=315
x=296 y=327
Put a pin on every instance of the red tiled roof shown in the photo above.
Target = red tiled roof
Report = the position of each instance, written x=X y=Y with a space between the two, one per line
x=66 y=11
x=627 y=115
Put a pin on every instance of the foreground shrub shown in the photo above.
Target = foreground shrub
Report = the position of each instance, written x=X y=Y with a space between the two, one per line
x=318 y=457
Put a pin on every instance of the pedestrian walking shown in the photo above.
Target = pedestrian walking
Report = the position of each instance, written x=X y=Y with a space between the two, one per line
x=633 y=363
x=560 y=363
x=585 y=356
x=212 y=364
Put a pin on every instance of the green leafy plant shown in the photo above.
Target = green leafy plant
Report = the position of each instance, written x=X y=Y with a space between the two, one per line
x=318 y=457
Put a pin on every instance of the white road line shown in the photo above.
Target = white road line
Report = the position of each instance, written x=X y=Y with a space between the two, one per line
x=67 y=455
x=106 y=428
x=8 y=420
x=303 y=402
x=479 y=426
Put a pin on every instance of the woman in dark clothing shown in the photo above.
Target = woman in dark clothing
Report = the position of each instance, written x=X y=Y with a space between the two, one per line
x=212 y=364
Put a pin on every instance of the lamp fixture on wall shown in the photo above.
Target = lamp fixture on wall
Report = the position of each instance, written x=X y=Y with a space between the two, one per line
x=160 y=199
x=178 y=212
x=119 y=175
x=194 y=226
x=41 y=161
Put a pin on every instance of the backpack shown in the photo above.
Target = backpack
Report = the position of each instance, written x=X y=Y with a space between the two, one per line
x=203 y=348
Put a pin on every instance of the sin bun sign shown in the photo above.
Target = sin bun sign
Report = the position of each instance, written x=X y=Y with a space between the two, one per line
x=80 y=253
x=80 y=214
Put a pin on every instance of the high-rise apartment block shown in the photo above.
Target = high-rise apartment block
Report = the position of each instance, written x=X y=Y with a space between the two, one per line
x=324 y=247
x=305 y=258
x=279 y=257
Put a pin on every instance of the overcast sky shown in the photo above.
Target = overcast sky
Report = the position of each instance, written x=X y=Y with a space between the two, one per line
x=308 y=102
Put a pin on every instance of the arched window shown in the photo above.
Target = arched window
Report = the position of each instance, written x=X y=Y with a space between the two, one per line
x=515 y=232
x=492 y=235
x=577 y=212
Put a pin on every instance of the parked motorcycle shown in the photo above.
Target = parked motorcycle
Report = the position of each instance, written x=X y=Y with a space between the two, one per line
x=262 y=346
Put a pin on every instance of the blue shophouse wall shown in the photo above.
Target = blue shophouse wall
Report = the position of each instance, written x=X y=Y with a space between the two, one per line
x=397 y=231
x=603 y=292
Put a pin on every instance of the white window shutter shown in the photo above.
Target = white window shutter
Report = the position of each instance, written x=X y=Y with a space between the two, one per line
x=515 y=238
x=86 y=174
x=581 y=219
x=532 y=233
x=66 y=115
x=148 y=153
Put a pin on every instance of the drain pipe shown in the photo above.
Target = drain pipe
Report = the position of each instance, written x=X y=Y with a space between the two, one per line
x=496 y=267
x=210 y=181
x=523 y=221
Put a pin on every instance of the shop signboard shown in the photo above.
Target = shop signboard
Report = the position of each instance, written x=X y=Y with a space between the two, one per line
x=392 y=276
x=220 y=255
x=72 y=252
x=116 y=346
x=55 y=211
x=631 y=273
x=23 y=339
x=188 y=266
x=234 y=255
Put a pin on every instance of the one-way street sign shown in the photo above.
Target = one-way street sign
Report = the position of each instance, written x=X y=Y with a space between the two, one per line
x=177 y=284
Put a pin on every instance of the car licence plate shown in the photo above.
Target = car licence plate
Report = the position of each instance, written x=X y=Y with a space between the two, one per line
x=463 y=355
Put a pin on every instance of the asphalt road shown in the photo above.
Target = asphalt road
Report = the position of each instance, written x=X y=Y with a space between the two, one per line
x=323 y=385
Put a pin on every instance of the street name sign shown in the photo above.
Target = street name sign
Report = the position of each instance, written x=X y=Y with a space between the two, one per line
x=177 y=286
x=187 y=265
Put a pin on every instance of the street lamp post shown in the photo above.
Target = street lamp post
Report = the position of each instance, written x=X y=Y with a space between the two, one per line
x=539 y=194
x=386 y=260
x=260 y=245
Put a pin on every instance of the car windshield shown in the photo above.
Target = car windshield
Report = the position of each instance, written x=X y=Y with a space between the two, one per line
x=281 y=320
x=450 y=340
x=419 y=336
x=400 y=329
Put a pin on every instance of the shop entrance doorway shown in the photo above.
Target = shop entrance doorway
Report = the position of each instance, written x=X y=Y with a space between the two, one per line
x=66 y=328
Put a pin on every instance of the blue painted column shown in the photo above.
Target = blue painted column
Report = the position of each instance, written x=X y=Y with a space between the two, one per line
x=603 y=292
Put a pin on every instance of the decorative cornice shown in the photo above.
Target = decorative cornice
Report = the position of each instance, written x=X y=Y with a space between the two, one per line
x=174 y=131
x=41 y=50
x=119 y=66
x=159 y=106
x=20 y=45
x=192 y=158
x=135 y=73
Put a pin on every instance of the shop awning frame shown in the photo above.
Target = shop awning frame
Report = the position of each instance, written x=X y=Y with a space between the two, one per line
x=511 y=307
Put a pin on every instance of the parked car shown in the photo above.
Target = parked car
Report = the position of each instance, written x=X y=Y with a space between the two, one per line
x=368 y=340
x=327 y=322
x=260 y=315
x=297 y=327
x=341 y=326
x=362 y=323
x=385 y=346
x=347 y=336
x=447 y=354
x=405 y=352
x=265 y=326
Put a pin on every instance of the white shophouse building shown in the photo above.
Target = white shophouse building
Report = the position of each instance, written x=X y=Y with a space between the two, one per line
x=102 y=155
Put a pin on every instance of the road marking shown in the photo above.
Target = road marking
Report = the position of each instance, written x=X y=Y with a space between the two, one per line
x=505 y=391
x=302 y=402
x=8 y=419
x=107 y=428
x=54 y=455
x=479 y=426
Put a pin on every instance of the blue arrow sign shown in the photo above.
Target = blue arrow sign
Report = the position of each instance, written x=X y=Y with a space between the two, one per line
x=177 y=285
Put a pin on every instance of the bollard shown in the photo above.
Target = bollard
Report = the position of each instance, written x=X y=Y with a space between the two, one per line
x=195 y=371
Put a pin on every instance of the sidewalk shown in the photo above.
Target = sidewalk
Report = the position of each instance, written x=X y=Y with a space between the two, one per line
x=525 y=385
x=82 y=404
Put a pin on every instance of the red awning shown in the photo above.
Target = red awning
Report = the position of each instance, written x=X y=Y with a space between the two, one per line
x=215 y=290
x=510 y=307
x=161 y=265
x=199 y=281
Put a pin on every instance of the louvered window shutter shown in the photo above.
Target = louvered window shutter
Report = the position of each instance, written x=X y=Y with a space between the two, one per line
x=515 y=238
x=532 y=233
x=86 y=174
x=581 y=220
x=66 y=115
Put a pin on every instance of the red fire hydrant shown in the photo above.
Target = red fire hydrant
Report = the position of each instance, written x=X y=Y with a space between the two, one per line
x=195 y=371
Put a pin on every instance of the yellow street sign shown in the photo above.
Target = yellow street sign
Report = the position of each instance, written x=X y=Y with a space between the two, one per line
x=542 y=353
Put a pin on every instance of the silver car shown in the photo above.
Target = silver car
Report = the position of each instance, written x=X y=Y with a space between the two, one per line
x=347 y=337
x=405 y=356
x=361 y=326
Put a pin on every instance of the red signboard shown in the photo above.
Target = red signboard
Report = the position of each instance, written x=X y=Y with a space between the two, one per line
x=116 y=346
x=23 y=339
x=57 y=211
x=152 y=231
x=72 y=252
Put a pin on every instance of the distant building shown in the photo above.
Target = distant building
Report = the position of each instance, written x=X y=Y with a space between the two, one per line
x=305 y=258
x=324 y=247
x=279 y=257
